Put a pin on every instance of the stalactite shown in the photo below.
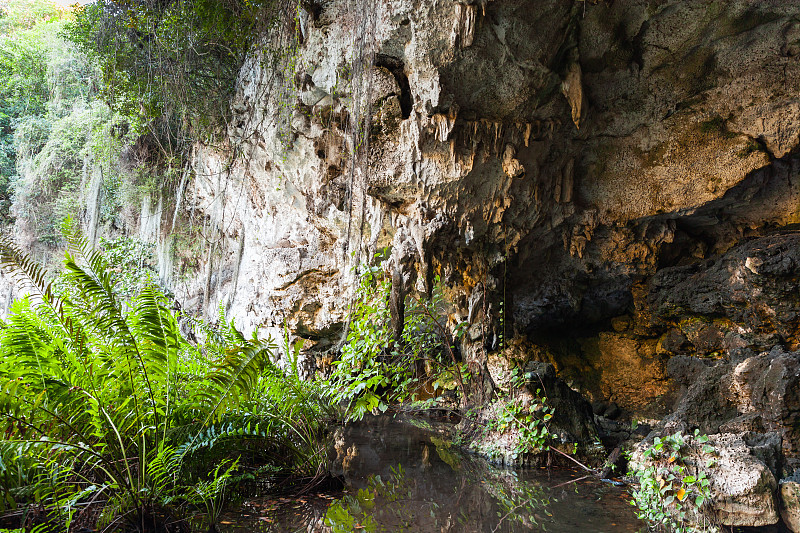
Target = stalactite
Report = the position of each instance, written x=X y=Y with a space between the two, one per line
x=443 y=124
x=572 y=89
x=489 y=138
x=557 y=189
x=463 y=32
x=567 y=181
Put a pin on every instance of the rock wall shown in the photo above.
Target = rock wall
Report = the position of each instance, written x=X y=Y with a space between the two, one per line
x=574 y=171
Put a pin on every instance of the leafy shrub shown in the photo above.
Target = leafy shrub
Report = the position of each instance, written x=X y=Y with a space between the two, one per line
x=374 y=370
x=132 y=262
x=175 y=60
x=23 y=81
x=53 y=128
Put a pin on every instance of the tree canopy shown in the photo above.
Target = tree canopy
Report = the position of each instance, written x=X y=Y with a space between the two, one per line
x=174 y=62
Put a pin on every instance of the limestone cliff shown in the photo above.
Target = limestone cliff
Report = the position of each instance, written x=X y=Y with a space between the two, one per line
x=550 y=155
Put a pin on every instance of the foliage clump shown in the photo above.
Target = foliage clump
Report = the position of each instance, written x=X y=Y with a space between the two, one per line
x=170 y=62
x=24 y=91
x=672 y=489
x=376 y=369
x=56 y=133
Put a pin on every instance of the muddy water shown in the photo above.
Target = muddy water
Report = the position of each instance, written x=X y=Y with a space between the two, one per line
x=401 y=475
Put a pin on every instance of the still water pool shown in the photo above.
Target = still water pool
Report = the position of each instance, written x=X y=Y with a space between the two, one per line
x=401 y=475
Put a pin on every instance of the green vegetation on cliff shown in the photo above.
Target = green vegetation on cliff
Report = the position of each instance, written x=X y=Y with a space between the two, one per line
x=171 y=64
x=56 y=134
x=378 y=367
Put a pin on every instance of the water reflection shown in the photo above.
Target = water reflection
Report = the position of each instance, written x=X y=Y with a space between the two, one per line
x=393 y=505
x=403 y=478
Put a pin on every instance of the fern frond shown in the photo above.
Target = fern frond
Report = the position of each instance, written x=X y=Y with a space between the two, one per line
x=236 y=376
x=162 y=472
x=24 y=270
x=95 y=286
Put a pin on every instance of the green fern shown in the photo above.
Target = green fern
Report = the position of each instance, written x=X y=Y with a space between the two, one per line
x=115 y=401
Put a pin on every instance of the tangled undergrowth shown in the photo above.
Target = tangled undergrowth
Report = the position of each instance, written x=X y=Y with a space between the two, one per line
x=376 y=369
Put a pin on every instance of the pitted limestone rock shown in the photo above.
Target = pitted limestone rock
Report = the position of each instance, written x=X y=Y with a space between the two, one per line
x=742 y=488
x=790 y=503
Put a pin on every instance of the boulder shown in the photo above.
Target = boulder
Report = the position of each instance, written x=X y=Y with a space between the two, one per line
x=742 y=487
x=790 y=503
x=752 y=394
x=573 y=419
x=755 y=286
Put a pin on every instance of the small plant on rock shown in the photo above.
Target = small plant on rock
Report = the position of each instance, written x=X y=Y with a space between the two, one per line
x=524 y=417
x=673 y=489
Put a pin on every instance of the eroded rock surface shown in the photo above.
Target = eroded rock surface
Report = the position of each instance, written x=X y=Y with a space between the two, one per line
x=790 y=503
x=546 y=153
x=751 y=292
x=742 y=486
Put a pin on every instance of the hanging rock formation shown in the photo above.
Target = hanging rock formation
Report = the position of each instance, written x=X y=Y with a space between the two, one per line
x=560 y=153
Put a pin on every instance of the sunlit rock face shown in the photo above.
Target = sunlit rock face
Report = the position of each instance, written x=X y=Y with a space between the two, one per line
x=551 y=156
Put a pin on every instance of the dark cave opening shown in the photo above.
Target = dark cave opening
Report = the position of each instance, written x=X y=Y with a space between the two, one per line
x=397 y=68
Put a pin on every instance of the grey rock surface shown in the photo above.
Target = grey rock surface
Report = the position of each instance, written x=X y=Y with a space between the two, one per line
x=790 y=504
x=561 y=150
